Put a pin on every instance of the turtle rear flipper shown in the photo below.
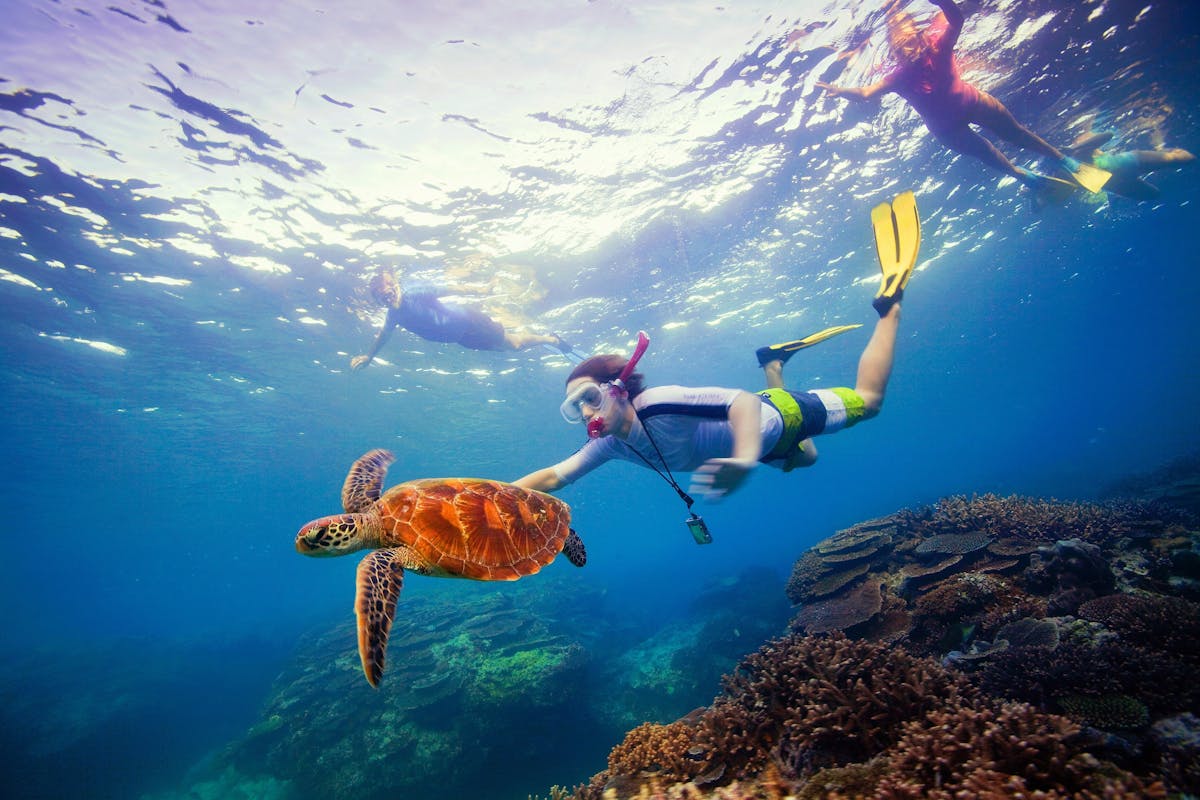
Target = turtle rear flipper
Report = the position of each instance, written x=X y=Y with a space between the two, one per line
x=574 y=550
x=380 y=578
x=364 y=483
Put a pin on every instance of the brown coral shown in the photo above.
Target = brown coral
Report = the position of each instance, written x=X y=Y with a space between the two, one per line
x=652 y=749
x=954 y=543
x=826 y=700
x=838 y=580
x=864 y=535
x=1166 y=624
x=1033 y=519
x=839 y=613
x=1010 y=750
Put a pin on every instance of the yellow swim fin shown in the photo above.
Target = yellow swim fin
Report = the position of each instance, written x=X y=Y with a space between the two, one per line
x=783 y=351
x=1089 y=176
x=897 y=240
x=1052 y=191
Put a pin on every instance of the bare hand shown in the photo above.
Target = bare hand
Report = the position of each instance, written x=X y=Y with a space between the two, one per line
x=836 y=91
x=718 y=477
x=358 y=362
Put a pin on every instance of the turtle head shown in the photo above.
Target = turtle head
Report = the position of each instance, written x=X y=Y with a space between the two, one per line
x=338 y=535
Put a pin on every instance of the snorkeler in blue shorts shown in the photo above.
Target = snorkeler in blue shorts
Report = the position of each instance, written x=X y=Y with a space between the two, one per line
x=1128 y=166
x=419 y=309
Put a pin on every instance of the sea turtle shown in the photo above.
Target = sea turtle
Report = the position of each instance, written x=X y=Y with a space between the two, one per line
x=445 y=527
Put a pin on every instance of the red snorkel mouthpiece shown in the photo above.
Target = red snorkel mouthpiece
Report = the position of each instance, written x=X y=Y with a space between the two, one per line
x=597 y=424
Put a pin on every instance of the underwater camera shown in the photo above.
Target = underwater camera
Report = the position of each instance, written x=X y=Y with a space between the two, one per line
x=699 y=529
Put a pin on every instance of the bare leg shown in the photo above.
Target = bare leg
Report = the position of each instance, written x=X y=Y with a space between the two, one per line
x=991 y=114
x=522 y=341
x=969 y=143
x=875 y=364
x=1150 y=160
x=773 y=373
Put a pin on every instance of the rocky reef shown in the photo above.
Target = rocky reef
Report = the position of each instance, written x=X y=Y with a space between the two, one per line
x=457 y=669
x=503 y=686
x=984 y=647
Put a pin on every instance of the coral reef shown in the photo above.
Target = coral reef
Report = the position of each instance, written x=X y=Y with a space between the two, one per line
x=982 y=647
x=543 y=660
x=831 y=717
x=461 y=670
x=995 y=751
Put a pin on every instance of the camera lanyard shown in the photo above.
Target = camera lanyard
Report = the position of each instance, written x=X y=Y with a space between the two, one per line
x=669 y=477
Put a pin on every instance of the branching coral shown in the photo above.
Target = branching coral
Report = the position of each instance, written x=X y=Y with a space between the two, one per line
x=661 y=750
x=844 y=718
x=1164 y=624
x=1010 y=750
x=1028 y=518
x=818 y=701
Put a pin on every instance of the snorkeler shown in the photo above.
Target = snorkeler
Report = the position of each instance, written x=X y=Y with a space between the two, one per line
x=928 y=78
x=1128 y=167
x=419 y=309
x=721 y=434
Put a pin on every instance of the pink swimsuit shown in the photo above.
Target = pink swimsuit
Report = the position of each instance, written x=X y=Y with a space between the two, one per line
x=932 y=85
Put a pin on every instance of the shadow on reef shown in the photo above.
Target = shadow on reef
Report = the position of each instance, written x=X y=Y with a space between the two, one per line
x=492 y=693
x=986 y=648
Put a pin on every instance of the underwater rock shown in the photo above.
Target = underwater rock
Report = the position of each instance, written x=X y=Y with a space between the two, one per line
x=1175 y=485
x=1071 y=573
x=1176 y=740
x=681 y=664
x=1029 y=632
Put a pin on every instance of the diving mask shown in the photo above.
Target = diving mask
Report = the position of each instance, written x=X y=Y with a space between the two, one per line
x=589 y=393
x=601 y=397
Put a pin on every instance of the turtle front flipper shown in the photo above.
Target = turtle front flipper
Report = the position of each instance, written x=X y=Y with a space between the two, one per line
x=380 y=578
x=574 y=550
x=364 y=483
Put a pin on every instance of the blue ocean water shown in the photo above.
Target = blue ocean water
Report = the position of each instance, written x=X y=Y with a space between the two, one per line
x=192 y=198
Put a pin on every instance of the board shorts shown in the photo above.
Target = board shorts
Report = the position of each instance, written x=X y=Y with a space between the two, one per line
x=808 y=414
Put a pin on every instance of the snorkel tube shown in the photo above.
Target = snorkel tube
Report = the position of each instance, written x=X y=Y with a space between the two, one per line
x=597 y=424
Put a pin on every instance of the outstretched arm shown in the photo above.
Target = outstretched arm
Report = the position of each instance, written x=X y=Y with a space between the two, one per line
x=385 y=333
x=544 y=480
x=463 y=288
x=868 y=92
x=954 y=17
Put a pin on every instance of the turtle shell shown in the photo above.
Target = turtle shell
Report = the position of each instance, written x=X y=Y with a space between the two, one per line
x=480 y=529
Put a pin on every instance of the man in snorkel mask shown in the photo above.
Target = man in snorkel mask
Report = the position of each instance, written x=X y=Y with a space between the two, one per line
x=711 y=430
x=927 y=76
x=719 y=434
